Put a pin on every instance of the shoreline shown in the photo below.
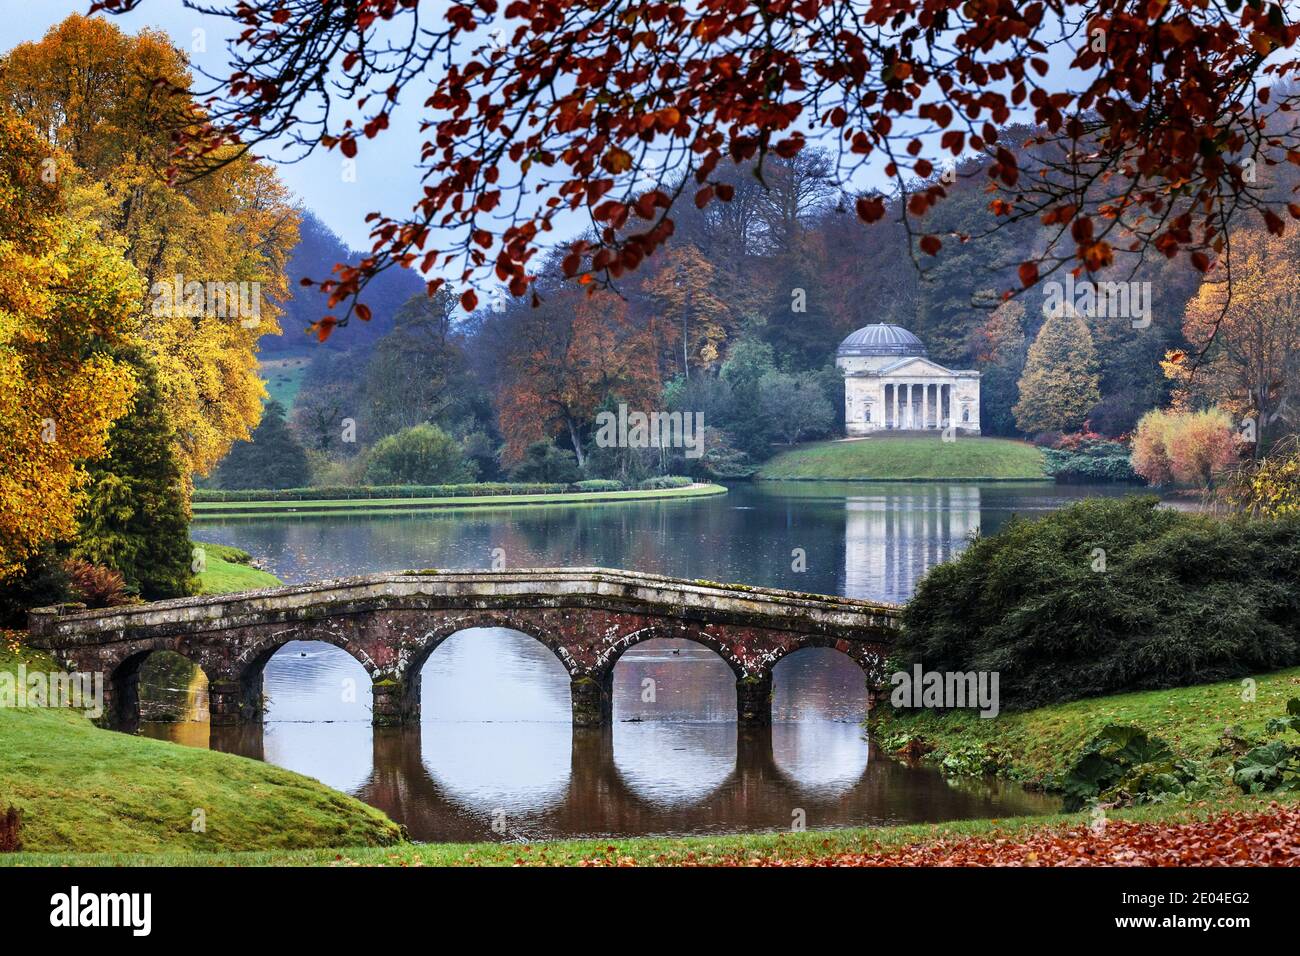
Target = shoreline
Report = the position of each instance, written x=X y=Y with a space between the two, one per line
x=211 y=510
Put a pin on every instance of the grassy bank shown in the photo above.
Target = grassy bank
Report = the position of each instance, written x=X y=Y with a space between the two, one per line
x=82 y=789
x=650 y=851
x=908 y=457
x=229 y=570
x=368 y=506
x=1036 y=747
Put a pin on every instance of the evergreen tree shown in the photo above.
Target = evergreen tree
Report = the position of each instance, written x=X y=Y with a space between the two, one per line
x=137 y=515
x=272 y=458
x=1060 y=382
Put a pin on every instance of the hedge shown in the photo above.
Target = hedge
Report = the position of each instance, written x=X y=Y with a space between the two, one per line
x=665 y=481
x=344 y=493
x=479 y=489
x=1109 y=596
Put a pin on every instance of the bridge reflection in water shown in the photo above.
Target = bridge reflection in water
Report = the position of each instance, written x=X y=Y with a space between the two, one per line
x=501 y=761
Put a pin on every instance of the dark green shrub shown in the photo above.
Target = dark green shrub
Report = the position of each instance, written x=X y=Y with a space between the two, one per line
x=1092 y=460
x=665 y=481
x=599 y=484
x=423 y=454
x=1183 y=599
x=543 y=461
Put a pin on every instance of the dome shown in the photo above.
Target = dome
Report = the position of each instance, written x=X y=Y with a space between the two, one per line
x=881 y=339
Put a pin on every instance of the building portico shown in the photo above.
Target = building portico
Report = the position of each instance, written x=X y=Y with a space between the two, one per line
x=890 y=385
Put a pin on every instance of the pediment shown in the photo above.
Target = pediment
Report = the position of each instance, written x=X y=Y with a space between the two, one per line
x=915 y=365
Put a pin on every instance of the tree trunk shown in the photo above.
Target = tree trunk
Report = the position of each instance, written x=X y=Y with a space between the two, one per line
x=576 y=440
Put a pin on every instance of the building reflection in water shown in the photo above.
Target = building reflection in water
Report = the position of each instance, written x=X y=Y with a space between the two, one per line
x=894 y=535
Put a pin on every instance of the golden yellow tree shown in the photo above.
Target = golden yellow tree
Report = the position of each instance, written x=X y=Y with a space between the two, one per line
x=212 y=250
x=1246 y=347
x=65 y=299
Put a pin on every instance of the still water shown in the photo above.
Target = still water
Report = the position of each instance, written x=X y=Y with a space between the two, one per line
x=495 y=756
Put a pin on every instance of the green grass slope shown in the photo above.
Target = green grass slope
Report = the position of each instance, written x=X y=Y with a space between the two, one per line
x=1037 y=746
x=229 y=570
x=82 y=789
x=908 y=457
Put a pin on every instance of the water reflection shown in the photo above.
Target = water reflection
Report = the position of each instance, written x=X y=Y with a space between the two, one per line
x=495 y=756
x=871 y=540
x=892 y=537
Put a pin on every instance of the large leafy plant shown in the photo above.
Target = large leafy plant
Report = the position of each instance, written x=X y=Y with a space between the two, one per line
x=1276 y=764
x=1126 y=765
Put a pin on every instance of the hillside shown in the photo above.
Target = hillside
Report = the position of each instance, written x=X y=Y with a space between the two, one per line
x=896 y=458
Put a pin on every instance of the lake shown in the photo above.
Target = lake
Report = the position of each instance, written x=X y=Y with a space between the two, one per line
x=495 y=757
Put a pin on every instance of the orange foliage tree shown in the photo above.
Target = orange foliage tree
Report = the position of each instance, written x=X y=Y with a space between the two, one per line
x=696 y=320
x=1192 y=448
x=65 y=300
x=565 y=358
x=1248 y=343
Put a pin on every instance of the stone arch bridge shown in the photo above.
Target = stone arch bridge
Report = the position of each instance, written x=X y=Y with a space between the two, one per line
x=392 y=622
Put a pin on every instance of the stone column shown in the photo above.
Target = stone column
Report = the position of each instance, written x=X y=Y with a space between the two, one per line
x=234 y=702
x=593 y=700
x=754 y=700
x=925 y=405
x=391 y=706
x=894 y=421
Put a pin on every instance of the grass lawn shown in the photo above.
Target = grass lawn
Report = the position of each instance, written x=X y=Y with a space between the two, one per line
x=905 y=457
x=283 y=377
x=229 y=570
x=84 y=789
x=368 y=506
x=648 y=851
x=1037 y=746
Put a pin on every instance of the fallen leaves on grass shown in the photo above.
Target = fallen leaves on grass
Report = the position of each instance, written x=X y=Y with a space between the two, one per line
x=1261 y=838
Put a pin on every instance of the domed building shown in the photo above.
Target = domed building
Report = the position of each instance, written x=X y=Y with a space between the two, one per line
x=890 y=385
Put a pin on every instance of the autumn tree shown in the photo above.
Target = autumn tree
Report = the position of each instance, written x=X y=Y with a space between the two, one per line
x=66 y=300
x=564 y=358
x=694 y=317
x=1244 y=341
x=997 y=347
x=1192 y=448
x=1148 y=141
x=1059 y=383
x=105 y=99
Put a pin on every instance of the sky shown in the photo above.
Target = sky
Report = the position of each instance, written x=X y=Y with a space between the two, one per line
x=386 y=177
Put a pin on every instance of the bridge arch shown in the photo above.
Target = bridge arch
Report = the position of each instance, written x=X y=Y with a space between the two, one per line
x=238 y=695
x=409 y=679
x=122 y=706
